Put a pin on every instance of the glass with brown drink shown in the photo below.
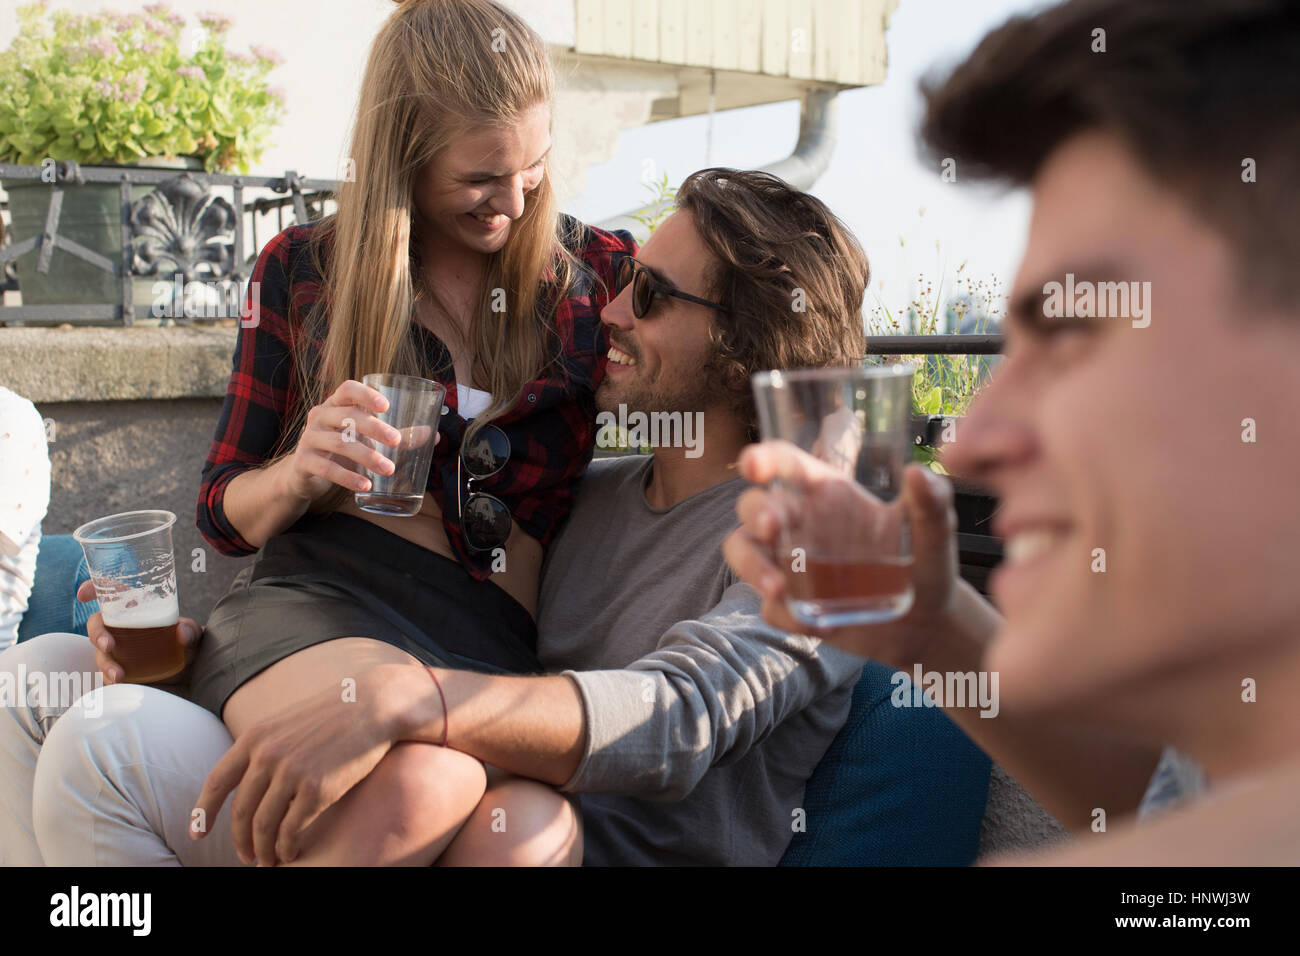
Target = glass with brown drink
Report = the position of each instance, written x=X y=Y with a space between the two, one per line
x=844 y=546
x=133 y=569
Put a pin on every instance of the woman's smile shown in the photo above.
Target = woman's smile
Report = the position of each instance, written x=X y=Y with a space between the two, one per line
x=489 y=222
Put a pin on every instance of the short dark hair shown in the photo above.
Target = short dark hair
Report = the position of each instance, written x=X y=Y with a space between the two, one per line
x=1193 y=87
x=791 y=274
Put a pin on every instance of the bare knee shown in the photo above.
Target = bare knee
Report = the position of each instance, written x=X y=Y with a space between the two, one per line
x=519 y=822
x=420 y=777
x=405 y=812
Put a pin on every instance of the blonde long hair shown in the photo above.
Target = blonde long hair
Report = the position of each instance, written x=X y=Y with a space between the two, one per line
x=437 y=69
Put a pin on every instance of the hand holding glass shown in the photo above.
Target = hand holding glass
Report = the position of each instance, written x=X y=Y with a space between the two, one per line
x=414 y=407
x=133 y=569
x=844 y=545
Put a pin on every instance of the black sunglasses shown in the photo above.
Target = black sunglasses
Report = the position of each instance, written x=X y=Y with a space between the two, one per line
x=645 y=286
x=484 y=519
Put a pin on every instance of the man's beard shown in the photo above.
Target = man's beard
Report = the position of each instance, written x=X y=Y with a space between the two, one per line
x=694 y=392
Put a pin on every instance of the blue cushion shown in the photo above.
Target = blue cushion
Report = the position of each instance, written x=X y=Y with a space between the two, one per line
x=53 y=605
x=899 y=786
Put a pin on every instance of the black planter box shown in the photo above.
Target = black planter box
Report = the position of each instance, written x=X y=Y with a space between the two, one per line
x=977 y=548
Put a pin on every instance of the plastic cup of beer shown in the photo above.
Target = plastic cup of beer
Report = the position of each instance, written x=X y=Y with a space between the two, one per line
x=844 y=546
x=131 y=564
x=414 y=407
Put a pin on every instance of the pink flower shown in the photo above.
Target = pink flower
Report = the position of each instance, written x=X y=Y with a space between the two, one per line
x=192 y=72
x=149 y=47
x=133 y=88
x=216 y=22
x=234 y=56
x=104 y=45
x=277 y=93
x=163 y=15
x=266 y=53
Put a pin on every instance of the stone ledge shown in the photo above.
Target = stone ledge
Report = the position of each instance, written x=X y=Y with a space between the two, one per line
x=96 y=364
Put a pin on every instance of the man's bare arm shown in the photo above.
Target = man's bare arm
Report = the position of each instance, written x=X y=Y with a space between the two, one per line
x=531 y=726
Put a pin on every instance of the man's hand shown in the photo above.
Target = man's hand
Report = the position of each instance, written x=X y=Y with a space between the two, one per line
x=294 y=766
x=102 y=641
x=927 y=498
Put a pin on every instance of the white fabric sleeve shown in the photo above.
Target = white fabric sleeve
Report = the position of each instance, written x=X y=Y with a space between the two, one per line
x=24 y=471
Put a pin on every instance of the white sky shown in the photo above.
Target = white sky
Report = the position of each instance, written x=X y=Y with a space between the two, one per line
x=876 y=182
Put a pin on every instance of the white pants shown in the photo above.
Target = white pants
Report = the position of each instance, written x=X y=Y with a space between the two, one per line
x=108 y=779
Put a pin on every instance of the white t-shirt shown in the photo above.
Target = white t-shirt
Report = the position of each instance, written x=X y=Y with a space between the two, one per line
x=24 y=500
x=471 y=401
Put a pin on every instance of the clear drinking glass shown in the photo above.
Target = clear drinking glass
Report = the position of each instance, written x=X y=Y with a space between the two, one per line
x=131 y=564
x=844 y=546
x=414 y=407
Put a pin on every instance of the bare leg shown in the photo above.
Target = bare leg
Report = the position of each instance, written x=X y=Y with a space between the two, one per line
x=519 y=822
x=404 y=813
x=409 y=807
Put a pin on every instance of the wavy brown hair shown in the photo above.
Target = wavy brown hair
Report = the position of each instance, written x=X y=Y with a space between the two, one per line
x=436 y=70
x=791 y=274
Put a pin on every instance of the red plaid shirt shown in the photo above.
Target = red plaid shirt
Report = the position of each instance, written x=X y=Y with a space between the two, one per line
x=551 y=426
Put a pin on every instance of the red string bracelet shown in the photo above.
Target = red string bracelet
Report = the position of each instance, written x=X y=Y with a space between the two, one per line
x=445 y=720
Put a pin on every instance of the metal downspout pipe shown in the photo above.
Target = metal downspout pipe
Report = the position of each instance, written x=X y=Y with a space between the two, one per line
x=818 y=116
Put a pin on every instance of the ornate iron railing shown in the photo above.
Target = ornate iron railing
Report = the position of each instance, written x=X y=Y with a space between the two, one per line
x=202 y=235
x=180 y=229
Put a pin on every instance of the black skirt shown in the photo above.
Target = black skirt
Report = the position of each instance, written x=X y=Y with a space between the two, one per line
x=332 y=576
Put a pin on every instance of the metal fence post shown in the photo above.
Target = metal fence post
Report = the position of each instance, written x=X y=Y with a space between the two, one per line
x=128 y=286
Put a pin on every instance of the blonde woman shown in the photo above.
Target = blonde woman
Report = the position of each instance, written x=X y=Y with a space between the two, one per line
x=451 y=215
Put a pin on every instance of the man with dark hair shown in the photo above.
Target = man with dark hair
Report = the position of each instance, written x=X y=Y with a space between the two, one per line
x=688 y=726
x=1140 y=432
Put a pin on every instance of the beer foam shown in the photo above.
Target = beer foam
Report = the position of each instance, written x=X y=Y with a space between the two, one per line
x=141 y=607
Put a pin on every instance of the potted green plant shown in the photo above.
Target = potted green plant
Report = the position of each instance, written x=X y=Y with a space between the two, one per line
x=115 y=89
x=942 y=390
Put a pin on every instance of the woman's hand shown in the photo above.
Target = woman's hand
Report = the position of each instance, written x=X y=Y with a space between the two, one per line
x=750 y=549
x=331 y=437
x=292 y=767
x=188 y=634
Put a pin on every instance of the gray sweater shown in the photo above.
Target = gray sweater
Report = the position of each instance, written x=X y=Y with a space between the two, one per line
x=703 y=722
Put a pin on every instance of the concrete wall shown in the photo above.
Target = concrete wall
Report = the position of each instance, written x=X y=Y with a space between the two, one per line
x=129 y=414
x=122 y=456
